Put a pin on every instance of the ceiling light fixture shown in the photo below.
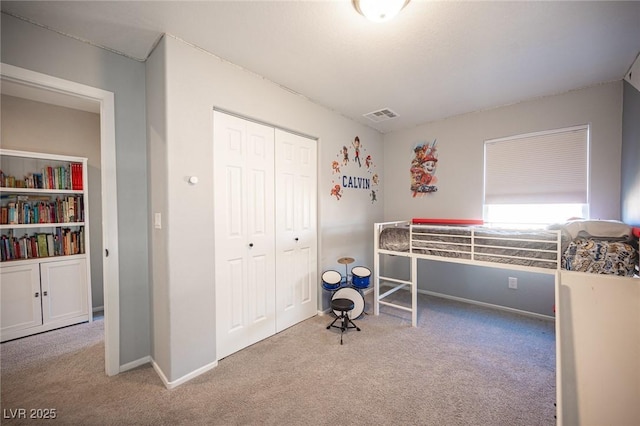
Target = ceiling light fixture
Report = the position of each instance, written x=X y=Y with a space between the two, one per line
x=379 y=10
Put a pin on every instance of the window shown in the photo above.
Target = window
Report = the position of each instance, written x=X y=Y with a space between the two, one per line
x=537 y=179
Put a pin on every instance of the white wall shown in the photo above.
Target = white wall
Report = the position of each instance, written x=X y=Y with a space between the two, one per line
x=460 y=142
x=34 y=48
x=38 y=127
x=195 y=83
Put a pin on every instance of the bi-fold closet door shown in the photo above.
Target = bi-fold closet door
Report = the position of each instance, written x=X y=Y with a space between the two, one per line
x=265 y=231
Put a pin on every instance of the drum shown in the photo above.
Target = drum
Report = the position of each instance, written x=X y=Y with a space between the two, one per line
x=360 y=277
x=331 y=280
x=355 y=296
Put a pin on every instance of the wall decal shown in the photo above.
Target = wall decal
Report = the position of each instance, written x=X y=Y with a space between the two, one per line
x=336 y=191
x=350 y=174
x=423 y=168
x=356 y=147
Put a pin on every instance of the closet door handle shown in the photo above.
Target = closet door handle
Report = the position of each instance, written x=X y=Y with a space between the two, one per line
x=250 y=244
x=44 y=293
x=37 y=294
x=297 y=239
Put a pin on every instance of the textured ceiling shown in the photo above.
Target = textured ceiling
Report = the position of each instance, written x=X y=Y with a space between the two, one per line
x=435 y=60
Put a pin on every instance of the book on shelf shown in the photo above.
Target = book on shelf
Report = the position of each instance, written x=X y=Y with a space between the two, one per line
x=76 y=176
x=61 y=242
x=42 y=245
x=50 y=177
x=32 y=209
x=50 y=247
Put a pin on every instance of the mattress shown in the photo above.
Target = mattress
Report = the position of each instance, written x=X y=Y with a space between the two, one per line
x=525 y=248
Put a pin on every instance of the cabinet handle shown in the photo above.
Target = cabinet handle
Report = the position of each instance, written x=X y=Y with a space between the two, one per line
x=250 y=244
x=106 y=252
x=296 y=238
x=37 y=294
x=44 y=293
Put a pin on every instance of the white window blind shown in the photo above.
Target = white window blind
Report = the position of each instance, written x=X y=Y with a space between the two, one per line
x=538 y=168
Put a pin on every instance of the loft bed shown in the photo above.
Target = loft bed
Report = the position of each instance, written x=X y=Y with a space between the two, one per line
x=599 y=247
x=597 y=293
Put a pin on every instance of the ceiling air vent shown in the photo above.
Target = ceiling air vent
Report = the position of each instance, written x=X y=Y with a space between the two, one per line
x=381 y=115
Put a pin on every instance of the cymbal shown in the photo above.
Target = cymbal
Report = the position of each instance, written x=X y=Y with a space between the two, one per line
x=346 y=260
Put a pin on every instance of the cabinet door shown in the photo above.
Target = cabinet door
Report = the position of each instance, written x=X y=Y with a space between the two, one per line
x=244 y=233
x=64 y=290
x=296 y=229
x=20 y=289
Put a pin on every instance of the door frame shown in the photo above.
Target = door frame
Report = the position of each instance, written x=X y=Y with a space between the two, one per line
x=111 y=284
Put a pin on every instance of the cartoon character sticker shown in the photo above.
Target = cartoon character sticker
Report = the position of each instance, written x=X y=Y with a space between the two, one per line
x=368 y=161
x=336 y=191
x=345 y=155
x=344 y=181
x=423 y=168
x=356 y=147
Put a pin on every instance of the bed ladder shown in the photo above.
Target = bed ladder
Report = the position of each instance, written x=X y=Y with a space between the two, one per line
x=396 y=284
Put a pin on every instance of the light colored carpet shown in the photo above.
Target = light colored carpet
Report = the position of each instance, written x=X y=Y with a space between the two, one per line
x=462 y=365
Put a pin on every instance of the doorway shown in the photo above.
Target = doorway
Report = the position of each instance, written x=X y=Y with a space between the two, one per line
x=44 y=88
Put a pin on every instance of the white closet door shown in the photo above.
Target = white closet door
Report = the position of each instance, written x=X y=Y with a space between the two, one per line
x=296 y=229
x=244 y=232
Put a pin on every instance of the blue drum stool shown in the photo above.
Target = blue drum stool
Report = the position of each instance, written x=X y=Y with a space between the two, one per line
x=344 y=306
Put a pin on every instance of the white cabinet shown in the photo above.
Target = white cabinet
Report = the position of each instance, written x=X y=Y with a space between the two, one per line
x=64 y=290
x=44 y=243
x=20 y=296
x=42 y=296
x=265 y=231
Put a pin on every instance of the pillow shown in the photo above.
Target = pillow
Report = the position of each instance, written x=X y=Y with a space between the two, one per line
x=599 y=228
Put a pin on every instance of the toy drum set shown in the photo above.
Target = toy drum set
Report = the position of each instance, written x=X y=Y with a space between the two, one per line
x=342 y=289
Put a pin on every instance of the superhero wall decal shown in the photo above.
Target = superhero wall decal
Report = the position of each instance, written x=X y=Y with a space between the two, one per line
x=354 y=169
x=423 y=168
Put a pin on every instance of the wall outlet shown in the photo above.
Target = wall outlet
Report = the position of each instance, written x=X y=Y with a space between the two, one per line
x=513 y=282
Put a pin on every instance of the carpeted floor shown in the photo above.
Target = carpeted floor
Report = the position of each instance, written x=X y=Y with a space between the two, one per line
x=462 y=365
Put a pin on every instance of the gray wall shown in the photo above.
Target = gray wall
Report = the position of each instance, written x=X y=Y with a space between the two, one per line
x=158 y=244
x=28 y=46
x=184 y=84
x=460 y=181
x=631 y=156
x=39 y=127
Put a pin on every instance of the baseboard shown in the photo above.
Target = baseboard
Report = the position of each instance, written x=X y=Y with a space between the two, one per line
x=98 y=308
x=183 y=379
x=133 y=364
x=487 y=305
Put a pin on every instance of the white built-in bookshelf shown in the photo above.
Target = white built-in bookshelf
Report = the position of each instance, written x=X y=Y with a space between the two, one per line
x=44 y=246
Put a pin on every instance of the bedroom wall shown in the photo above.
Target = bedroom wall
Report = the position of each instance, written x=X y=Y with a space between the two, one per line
x=41 y=50
x=630 y=175
x=183 y=277
x=460 y=181
x=39 y=127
